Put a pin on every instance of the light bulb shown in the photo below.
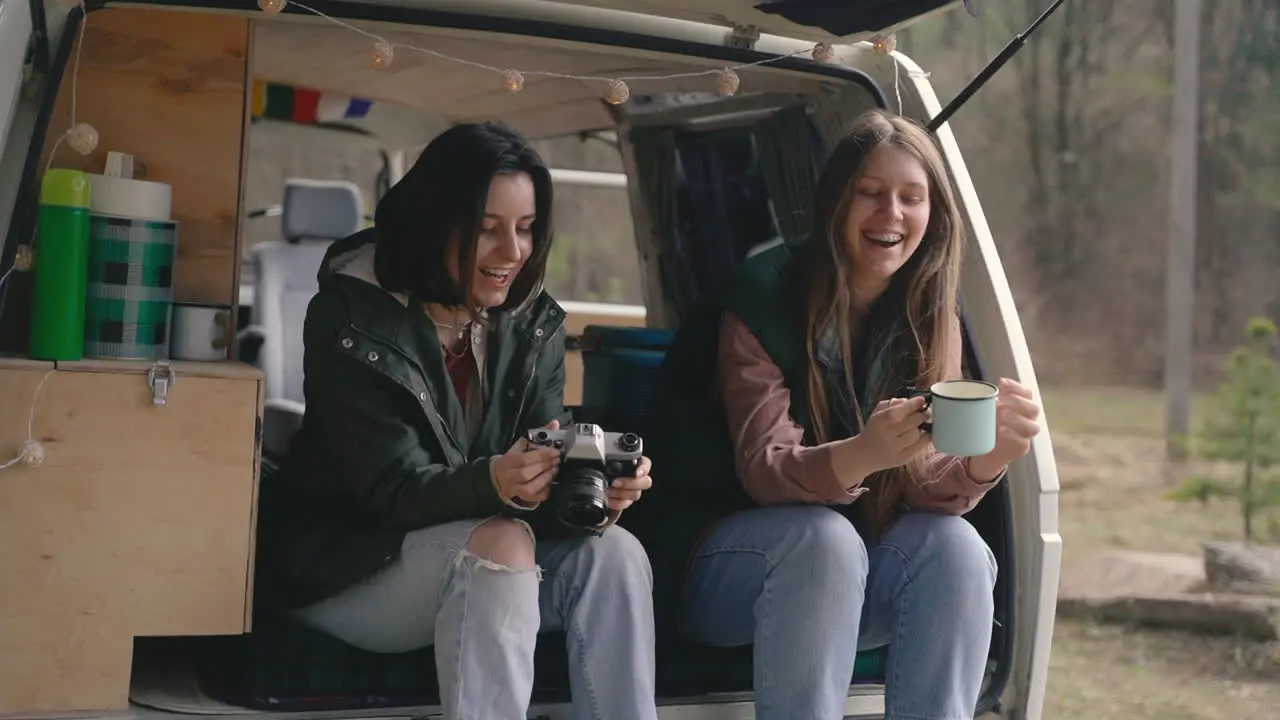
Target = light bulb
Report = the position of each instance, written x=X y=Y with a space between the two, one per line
x=727 y=82
x=83 y=138
x=884 y=44
x=383 y=54
x=512 y=80
x=32 y=452
x=823 y=52
x=618 y=92
x=272 y=7
x=23 y=258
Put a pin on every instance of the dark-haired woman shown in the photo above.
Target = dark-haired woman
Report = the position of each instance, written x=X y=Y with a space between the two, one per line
x=407 y=513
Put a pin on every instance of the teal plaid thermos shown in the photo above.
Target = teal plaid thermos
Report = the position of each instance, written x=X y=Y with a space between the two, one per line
x=132 y=247
x=130 y=289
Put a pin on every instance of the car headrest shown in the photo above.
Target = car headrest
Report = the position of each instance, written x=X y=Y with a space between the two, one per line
x=321 y=209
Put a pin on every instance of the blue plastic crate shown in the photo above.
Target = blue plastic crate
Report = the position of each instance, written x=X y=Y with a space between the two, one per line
x=620 y=366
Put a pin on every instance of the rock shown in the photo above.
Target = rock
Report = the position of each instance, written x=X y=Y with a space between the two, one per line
x=1242 y=569
x=1124 y=573
x=1169 y=591
x=1239 y=615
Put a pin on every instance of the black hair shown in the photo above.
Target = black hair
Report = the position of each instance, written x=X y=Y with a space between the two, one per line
x=444 y=196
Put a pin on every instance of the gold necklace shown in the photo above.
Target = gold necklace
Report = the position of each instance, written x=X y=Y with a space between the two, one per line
x=460 y=327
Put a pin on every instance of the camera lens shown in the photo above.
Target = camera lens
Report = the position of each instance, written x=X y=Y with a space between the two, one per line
x=541 y=436
x=579 y=497
x=585 y=514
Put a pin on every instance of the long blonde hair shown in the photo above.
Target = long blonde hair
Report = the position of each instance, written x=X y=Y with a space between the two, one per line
x=929 y=281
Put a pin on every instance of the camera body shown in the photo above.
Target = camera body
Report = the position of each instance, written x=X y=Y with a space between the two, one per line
x=590 y=459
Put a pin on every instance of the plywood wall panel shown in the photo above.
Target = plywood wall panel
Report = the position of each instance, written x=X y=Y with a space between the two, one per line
x=169 y=87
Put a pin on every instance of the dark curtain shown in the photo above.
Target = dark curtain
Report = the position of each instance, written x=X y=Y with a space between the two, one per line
x=657 y=168
x=723 y=205
x=790 y=151
x=712 y=195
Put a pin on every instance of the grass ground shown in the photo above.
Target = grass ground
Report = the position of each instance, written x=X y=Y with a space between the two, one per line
x=1110 y=461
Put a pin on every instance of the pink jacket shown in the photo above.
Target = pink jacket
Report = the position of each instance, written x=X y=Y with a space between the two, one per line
x=772 y=461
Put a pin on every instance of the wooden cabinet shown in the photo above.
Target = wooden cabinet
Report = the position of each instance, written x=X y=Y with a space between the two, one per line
x=139 y=522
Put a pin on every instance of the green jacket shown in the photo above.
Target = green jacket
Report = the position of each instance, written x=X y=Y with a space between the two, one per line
x=383 y=449
x=768 y=295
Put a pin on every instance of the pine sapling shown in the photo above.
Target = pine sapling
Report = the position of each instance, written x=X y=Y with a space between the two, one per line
x=1242 y=431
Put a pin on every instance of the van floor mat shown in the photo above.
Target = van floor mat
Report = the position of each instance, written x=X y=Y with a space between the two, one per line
x=284 y=667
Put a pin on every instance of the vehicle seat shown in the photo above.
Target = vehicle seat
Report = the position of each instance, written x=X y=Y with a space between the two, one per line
x=314 y=214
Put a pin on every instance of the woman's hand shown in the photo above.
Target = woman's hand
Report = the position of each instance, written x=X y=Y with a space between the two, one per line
x=891 y=438
x=1017 y=416
x=524 y=473
x=624 y=491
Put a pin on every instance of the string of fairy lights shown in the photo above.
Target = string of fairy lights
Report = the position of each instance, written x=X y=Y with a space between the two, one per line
x=618 y=89
x=83 y=138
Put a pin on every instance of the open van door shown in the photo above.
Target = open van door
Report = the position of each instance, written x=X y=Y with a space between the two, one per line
x=15 y=39
x=814 y=20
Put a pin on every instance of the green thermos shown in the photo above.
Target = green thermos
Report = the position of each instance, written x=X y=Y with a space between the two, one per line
x=61 y=266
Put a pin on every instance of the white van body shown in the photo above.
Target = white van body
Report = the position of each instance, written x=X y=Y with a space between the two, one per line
x=991 y=318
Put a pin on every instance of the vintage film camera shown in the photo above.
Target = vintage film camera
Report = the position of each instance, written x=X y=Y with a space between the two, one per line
x=590 y=459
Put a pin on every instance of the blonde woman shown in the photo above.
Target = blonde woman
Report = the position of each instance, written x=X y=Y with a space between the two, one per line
x=835 y=526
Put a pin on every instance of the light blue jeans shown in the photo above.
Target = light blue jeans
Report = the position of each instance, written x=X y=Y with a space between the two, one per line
x=483 y=619
x=800 y=583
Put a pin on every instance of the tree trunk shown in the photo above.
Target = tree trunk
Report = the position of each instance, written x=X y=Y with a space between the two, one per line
x=1246 y=490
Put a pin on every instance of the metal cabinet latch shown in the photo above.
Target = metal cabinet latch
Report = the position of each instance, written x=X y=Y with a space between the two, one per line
x=161 y=378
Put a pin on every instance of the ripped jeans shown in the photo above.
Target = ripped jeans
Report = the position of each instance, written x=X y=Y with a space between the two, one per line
x=483 y=619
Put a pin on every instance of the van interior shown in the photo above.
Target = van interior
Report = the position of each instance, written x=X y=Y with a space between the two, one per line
x=149 y=609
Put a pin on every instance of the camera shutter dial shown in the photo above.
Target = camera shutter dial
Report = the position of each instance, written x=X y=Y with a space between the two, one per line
x=629 y=442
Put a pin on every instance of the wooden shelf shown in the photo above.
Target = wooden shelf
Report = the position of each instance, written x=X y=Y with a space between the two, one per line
x=170 y=88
